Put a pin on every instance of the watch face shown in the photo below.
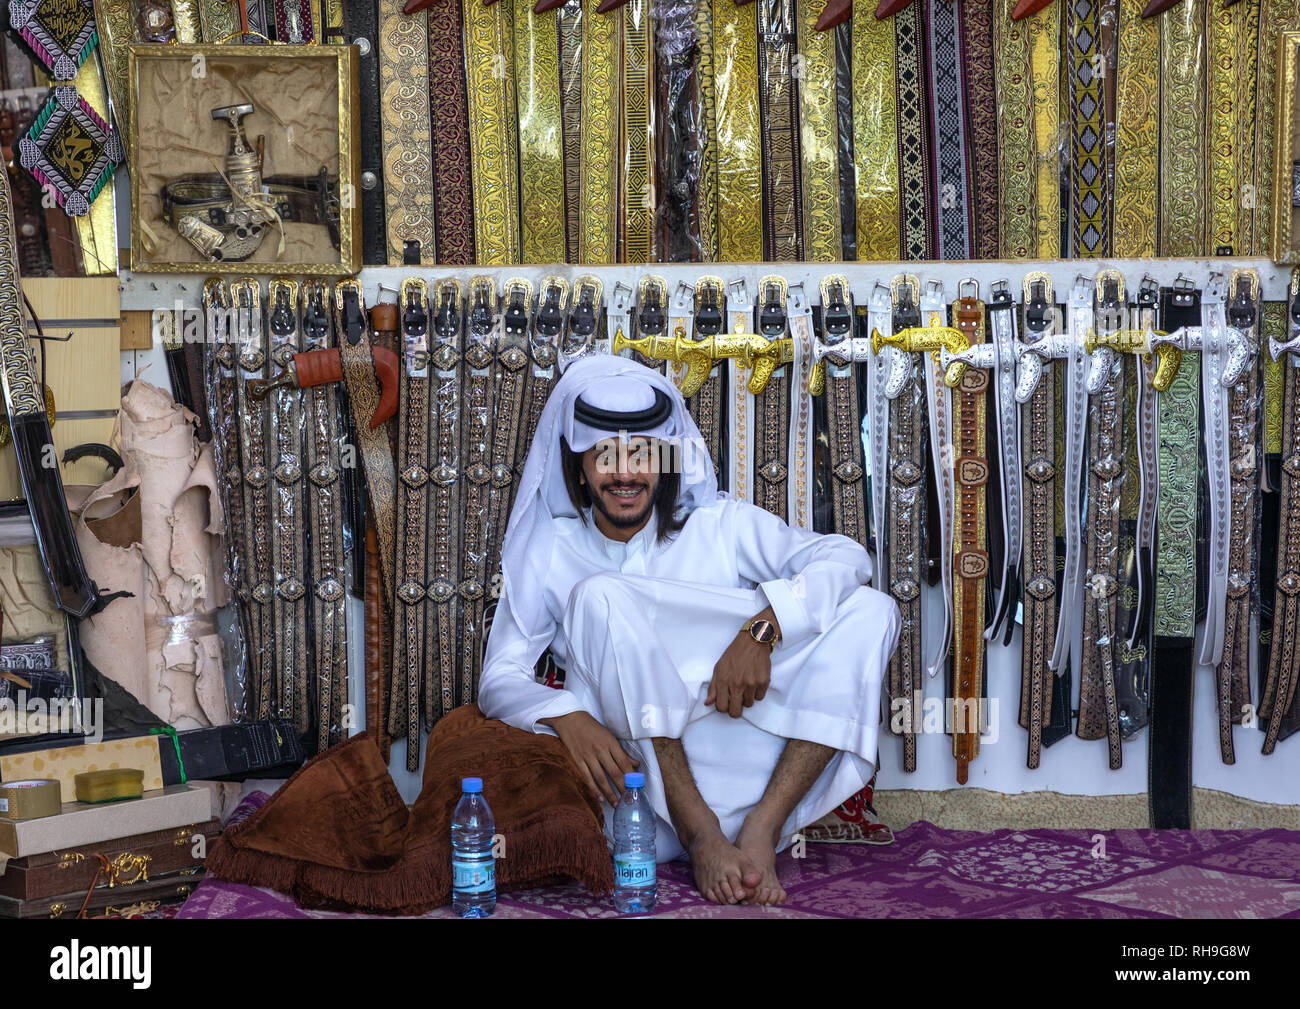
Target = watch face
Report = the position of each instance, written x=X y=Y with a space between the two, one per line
x=762 y=631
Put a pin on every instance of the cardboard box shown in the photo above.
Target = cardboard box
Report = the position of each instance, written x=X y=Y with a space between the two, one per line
x=78 y=824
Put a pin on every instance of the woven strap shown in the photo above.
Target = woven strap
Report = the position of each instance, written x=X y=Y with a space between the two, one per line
x=1089 y=193
x=493 y=131
x=981 y=119
x=740 y=401
x=296 y=21
x=287 y=502
x=453 y=193
x=1182 y=130
x=708 y=406
x=638 y=175
x=601 y=105
x=1045 y=67
x=406 y=124
x=770 y=417
x=913 y=131
x=819 y=138
x=954 y=213
x=1019 y=168
x=875 y=138
x=740 y=171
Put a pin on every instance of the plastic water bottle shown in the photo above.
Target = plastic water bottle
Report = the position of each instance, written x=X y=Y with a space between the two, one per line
x=473 y=870
x=635 y=891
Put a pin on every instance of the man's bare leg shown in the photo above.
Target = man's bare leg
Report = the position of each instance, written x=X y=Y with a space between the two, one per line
x=723 y=874
x=801 y=763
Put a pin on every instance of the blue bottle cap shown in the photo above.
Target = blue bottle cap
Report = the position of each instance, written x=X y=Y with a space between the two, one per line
x=471 y=785
x=634 y=779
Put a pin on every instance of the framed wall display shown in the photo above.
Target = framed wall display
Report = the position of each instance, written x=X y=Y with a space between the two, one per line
x=244 y=159
x=1286 y=171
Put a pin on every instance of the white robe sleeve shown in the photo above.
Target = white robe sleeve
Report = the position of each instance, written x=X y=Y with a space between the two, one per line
x=804 y=575
x=508 y=687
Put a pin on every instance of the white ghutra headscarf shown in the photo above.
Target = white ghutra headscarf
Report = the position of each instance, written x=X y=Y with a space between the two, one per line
x=607 y=386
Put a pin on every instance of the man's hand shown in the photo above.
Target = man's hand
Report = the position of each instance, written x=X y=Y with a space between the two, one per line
x=600 y=757
x=742 y=675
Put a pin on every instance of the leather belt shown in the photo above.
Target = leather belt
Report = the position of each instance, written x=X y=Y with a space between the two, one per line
x=982 y=118
x=493 y=133
x=446 y=474
x=403 y=44
x=361 y=24
x=324 y=503
x=377 y=662
x=1044 y=61
x=1098 y=698
x=954 y=213
x=740 y=399
x=25 y=406
x=289 y=607
x=819 y=138
x=1089 y=198
x=1241 y=611
x=515 y=387
x=769 y=413
x=413 y=654
x=913 y=132
x=601 y=105
x=1137 y=131
x=783 y=206
x=970 y=542
x=1018 y=170
x=453 y=196
x=875 y=138
x=248 y=345
x=931 y=338
x=543 y=346
x=707 y=400
x=740 y=176
x=902 y=475
x=1174 y=624
x=1182 y=131
x=1040 y=540
x=805 y=375
x=1284 y=654
x=651 y=318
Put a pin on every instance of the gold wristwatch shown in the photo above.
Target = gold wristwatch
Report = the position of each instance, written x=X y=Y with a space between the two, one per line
x=763 y=631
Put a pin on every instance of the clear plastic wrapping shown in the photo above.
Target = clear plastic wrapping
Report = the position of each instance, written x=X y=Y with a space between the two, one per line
x=682 y=137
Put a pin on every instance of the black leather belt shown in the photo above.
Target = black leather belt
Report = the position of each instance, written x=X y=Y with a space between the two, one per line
x=360 y=26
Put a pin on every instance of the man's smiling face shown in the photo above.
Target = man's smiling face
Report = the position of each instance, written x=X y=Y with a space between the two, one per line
x=622 y=479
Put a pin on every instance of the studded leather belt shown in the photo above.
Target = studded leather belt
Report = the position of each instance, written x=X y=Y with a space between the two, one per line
x=361 y=26
x=289 y=608
x=324 y=504
x=769 y=413
x=1284 y=654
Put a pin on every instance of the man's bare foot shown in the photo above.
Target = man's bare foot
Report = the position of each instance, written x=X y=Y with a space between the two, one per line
x=723 y=874
x=758 y=841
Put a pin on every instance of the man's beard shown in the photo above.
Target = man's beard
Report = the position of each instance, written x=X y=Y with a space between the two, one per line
x=626 y=521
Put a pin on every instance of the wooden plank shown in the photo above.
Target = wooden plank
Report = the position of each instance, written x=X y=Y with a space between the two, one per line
x=84 y=372
x=137 y=331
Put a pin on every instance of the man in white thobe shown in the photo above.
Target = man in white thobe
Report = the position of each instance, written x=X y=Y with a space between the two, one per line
x=655 y=592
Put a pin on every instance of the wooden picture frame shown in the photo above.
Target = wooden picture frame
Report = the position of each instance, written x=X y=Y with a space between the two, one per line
x=1286 y=154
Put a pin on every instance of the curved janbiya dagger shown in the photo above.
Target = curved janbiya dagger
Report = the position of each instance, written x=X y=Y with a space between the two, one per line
x=321 y=367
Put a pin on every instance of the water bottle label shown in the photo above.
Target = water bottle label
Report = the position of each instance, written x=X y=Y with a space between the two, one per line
x=473 y=877
x=634 y=869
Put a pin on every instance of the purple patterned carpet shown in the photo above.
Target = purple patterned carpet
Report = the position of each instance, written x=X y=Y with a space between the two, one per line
x=934 y=873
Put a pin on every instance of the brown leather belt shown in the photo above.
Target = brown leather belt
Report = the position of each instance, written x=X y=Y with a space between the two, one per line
x=1098 y=705
x=290 y=605
x=779 y=112
x=970 y=546
x=1038 y=433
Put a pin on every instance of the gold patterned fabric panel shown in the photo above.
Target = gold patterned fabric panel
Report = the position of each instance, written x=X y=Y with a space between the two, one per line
x=740 y=165
x=1182 y=137
x=1137 y=132
x=406 y=125
x=187 y=20
x=1045 y=71
x=219 y=19
x=638 y=180
x=1230 y=129
x=818 y=137
x=1016 y=96
x=569 y=26
x=875 y=138
x=113 y=21
x=1276 y=16
x=493 y=132
x=1273 y=324
x=541 y=147
x=707 y=97
x=601 y=108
